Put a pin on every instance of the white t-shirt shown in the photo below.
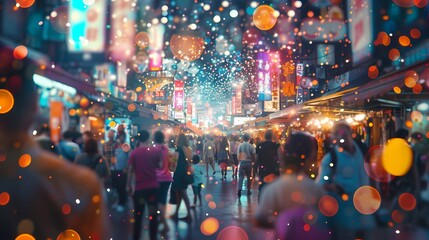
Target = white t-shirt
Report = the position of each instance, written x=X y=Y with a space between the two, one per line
x=245 y=151
x=209 y=149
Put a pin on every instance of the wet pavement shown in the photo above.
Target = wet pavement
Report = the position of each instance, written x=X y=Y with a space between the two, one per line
x=233 y=215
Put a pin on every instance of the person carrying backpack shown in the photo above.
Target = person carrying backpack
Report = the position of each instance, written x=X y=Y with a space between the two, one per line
x=341 y=173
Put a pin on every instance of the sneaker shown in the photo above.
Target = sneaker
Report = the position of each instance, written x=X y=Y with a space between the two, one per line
x=239 y=193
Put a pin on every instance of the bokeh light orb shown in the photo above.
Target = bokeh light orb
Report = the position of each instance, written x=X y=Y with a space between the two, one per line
x=20 y=52
x=410 y=82
x=4 y=198
x=415 y=33
x=394 y=54
x=367 y=200
x=404 y=41
x=209 y=226
x=397 y=89
x=407 y=201
x=142 y=39
x=68 y=234
x=328 y=206
x=264 y=17
x=416 y=116
x=412 y=74
x=84 y=102
x=141 y=62
x=25 y=3
x=26 y=226
x=373 y=72
x=417 y=89
x=397 y=157
x=25 y=236
x=397 y=216
x=232 y=232
x=131 y=107
x=186 y=48
x=6 y=101
x=24 y=161
x=60 y=19
x=373 y=165
x=421 y=3
x=404 y=3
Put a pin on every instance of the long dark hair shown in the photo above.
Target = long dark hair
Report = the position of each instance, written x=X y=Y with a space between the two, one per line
x=300 y=151
x=91 y=147
x=182 y=141
x=223 y=143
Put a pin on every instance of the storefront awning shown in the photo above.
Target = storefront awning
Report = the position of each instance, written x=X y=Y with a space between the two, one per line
x=379 y=88
x=286 y=113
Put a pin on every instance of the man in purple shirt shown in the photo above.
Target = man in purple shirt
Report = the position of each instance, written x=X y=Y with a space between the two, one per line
x=143 y=163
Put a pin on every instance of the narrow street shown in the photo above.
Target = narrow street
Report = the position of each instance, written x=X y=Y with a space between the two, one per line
x=234 y=217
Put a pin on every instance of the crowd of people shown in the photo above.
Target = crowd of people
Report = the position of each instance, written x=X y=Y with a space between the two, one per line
x=68 y=180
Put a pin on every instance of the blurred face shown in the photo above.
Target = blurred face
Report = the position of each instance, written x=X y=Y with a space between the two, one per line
x=85 y=138
x=111 y=135
x=342 y=137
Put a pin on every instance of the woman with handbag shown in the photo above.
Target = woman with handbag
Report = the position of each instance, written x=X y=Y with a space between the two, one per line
x=182 y=176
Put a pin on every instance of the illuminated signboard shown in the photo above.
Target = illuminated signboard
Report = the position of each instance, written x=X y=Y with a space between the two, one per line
x=325 y=54
x=87 y=24
x=234 y=105
x=179 y=96
x=360 y=28
x=238 y=100
x=122 y=30
x=264 y=84
x=300 y=91
x=156 y=39
x=274 y=104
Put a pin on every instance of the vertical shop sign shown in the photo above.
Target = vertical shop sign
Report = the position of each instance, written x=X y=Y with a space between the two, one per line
x=179 y=96
x=156 y=39
x=55 y=120
x=234 y=105
x=272 y=105
x=238 y=100
x=87 y=24
x=299 y=73
x=122 y=30
x=300 y=91
x=360 y=28
x=189 y=109
x=264 y=83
